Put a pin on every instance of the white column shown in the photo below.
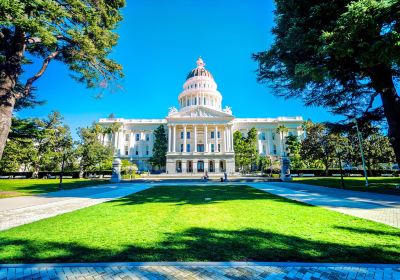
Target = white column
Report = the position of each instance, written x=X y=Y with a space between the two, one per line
x=169 y=139
x=216 y=139
x=228 y=139
x=195 y=138
x=231 y=137
x=259 y=142
x=174 y=140
x=184 y=139
x=205 y=139
x=225 y=139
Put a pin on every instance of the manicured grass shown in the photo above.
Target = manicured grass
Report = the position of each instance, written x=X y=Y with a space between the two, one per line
x=177 y=223
x=386 y=185
x=19 y=187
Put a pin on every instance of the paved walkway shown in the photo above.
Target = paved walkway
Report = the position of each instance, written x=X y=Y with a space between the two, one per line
x=16 y=211
x=376 y=207
x=223 y=271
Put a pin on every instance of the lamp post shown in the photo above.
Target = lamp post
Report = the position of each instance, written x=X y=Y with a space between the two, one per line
x=361 y=151
x=339 y=151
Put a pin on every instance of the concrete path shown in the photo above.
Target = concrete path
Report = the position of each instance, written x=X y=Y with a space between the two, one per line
x=16 y=211
x=376 y=207
x=239 y=270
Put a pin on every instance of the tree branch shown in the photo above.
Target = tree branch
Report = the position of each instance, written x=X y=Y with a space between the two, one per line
x=30 y=81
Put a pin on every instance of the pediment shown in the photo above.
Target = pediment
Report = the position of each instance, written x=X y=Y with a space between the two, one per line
x=199 y=112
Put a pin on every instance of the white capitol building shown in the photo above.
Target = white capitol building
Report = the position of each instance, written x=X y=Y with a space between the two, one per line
x=200 y=133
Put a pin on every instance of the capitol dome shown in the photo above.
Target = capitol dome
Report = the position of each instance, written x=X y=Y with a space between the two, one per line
x=200 y=89
x=199 y=71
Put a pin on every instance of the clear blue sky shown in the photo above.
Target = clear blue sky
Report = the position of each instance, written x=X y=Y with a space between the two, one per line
x=159 y=44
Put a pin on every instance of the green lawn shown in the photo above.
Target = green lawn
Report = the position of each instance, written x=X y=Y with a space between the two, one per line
x=177 y=224
x=386 y=185
x=18 y=187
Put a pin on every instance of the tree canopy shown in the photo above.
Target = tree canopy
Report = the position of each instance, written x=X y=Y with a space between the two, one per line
x=338 y=54
x=79 y=34
x=160 y=147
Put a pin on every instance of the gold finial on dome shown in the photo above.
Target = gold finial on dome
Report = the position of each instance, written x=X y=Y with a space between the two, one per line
x=200 y=62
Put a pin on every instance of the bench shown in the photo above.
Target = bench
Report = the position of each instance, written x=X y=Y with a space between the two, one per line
x=294 y=175
x=308 y=175
x=387 y=175
x=336 y=175
x=20 y=177
x=4 y=177
x=356 y=175
x=106 y=176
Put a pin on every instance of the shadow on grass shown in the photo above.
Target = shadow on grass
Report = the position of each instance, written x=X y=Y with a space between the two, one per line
x=196 y=195
x=199 y=244
x=370 y=231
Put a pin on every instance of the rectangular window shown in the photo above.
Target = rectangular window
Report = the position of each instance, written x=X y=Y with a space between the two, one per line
x=212 y=148
x=273 y=136
x=290 y=133
x=188 y=134
x=219 y=135
x=212 y=134
x=147 y=150
x=126 y=137
x=262 y=136
x=274 y=149
x=126 y=150
x=137 y=137
x=147 y=137
x=188 y=148
x=181 y=134
x=219 y=147
x=200 y=148
x=137 y=152
x=181 y=148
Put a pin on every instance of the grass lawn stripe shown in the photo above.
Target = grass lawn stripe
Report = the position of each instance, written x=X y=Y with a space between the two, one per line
x=172 y=223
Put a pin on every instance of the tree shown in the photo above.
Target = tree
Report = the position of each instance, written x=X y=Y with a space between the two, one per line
x=160 y=147
x=239 y=147
x=93 y=154
x=340 y=55
x=265 y=163
x=246 y=155
x=77 y=33
x=294 y=146
x=251 y=148
x=282 y=130
x=320 y=144
x=53 y=139
x=20 y=149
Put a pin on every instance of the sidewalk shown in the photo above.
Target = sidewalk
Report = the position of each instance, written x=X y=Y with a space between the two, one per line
x=372 y=206
x=16 y=211
x=217 y=270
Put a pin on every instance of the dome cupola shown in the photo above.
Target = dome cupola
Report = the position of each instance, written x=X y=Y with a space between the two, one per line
x=200 y=89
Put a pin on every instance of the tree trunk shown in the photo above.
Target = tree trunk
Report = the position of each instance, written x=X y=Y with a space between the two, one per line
x=382 y=81
x=7 y=103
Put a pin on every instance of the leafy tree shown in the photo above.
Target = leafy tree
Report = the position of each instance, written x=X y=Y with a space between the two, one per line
x=160 y=148
x=265 y=163
x=340 y=55
x=282 y=130
x=53 y=140
x=320 y=144
x=77 y=33
x=251 y=148
x=93 y=154
x=239 y=146
x=20 y=149
x=294 y=146
x=246 y=155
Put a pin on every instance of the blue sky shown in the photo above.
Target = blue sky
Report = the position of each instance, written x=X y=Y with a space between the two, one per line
x=159 y=44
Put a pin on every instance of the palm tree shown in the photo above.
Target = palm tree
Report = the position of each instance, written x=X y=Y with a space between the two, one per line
x=281 y=130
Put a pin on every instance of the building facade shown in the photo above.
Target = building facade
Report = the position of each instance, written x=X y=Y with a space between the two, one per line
x=200 y=132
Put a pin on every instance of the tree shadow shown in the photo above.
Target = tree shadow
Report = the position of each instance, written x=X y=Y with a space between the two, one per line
x=196 y=195
x=199 y=244
x=395 y=232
